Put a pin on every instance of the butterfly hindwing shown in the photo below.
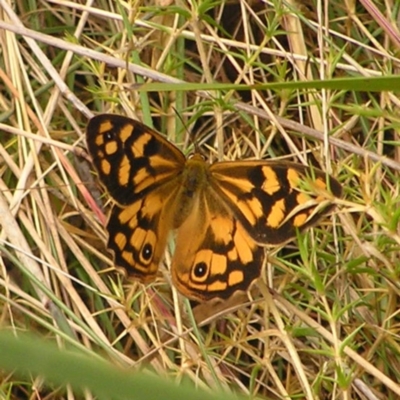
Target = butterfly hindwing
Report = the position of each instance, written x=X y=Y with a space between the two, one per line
x=135 y=241
x=138 y=233
x=214 y=255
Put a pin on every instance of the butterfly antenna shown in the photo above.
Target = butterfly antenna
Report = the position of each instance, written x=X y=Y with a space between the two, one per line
x=192 y=137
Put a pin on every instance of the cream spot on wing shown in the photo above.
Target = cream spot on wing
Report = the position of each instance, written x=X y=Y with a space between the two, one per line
x=158 y=161
x=218 y=264
x=99 y=141
x=142 y=179
x=243 y=244
x=321 y=184
x=105 y=126
x=137 y=238
x=152 y=204
x=139 y=145
x=120 y=240
x=302 y=198
x=111 y=147
x=217 y=286
x=235 y=277
x=242 y=185
x=233 y=254
x=277 y=214
x=271 y=183
x=222 y=229
x=129 y=213
x=293 y=178
x=251 y=209
x=126 y=132
x=105 y=167
x=124 y=171
x=300 y=219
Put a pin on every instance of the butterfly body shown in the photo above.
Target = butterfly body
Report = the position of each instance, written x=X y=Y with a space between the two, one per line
x=221 y=213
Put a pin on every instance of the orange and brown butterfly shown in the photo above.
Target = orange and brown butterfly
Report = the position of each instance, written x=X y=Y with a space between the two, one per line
x=222 y=212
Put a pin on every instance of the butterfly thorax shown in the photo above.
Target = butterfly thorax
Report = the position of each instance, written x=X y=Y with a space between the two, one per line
x=194 y=180
x=195 y=176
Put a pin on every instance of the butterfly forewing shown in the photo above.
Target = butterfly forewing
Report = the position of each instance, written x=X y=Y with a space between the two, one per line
x=273 y=199
x=131 y=159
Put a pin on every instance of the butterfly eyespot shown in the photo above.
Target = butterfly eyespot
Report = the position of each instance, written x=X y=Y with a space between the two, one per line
x=147 y=253
x=200 y=270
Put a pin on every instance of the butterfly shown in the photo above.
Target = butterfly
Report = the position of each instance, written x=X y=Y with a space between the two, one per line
x=222 y=213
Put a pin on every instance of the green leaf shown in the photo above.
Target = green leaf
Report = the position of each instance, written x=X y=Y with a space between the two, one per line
x=27 y=355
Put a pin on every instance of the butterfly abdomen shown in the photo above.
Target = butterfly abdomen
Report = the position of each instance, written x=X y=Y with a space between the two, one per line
x=193 y=181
